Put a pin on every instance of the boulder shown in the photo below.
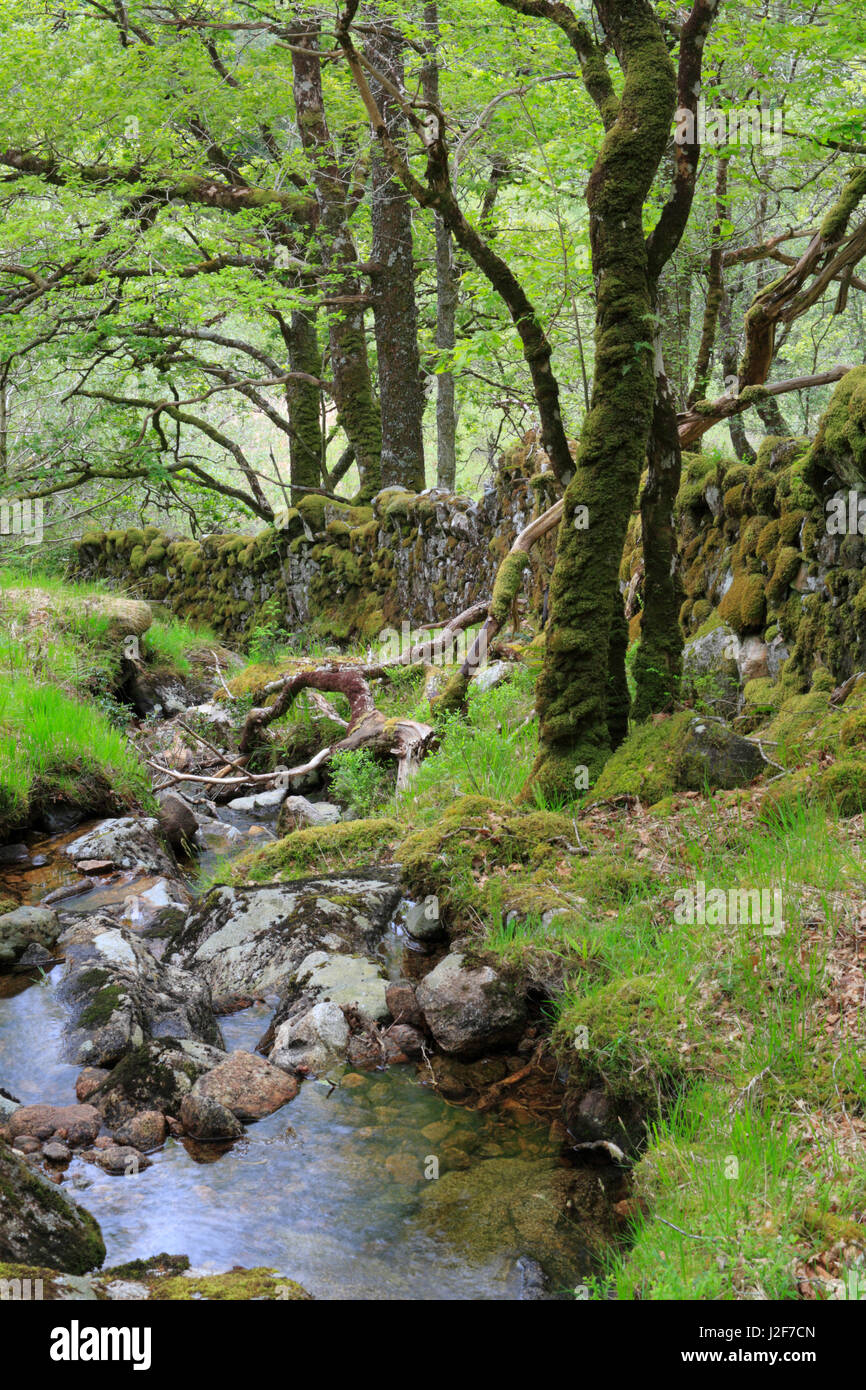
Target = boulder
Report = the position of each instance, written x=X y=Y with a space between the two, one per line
x=76 y=1124
x=342 y=979
x=177 y=820
x=259 y=801
x=155 y=1076
x=710 y=670
x=470 y=1009
x=423 y=922
x=247 y=1085
x=118 y=1159
x=25 y=927
x=313 y=1041
x=296 y=813
x=144 y=1132
x=711 y=755
x=204 y=1118
x=402 y=1004
x=120 y=994
x=152 y=692
x=492 y=675
x=89 y=1080
x=39 y=1225
x=130 y=842
x=247 y=940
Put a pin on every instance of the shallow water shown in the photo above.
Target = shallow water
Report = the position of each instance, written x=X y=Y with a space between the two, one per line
x=330 y=1190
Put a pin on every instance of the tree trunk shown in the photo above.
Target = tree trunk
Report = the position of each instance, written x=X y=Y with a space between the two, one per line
x=395 y=310
x=446 y=337
x=446 y=288
x=306 y=445
x=357 y=408
x=658 y=662
x=585 y=603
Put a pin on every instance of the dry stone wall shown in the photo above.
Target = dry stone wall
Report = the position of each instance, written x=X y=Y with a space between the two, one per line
x=334 y=569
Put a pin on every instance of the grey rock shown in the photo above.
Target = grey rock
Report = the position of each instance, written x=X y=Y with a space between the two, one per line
x=39 y=1225
x=259 y=801
x=710 y=670
x=297 y=813
x=470 y=1009
x=23 y=927
x=121 y=995
x=492 y=675
x=315 y=1040
x=349 y=980
x=130 y=842
x=249 y=940
x=423 y=922
x=713 y=756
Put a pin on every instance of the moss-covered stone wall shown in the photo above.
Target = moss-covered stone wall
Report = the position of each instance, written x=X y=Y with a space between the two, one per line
x=760 y=544
x=339 y=570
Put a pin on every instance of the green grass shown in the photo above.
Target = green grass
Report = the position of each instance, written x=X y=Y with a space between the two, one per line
x=486 y=754
x=53 y=746
x=61 y=721
x=169 y=643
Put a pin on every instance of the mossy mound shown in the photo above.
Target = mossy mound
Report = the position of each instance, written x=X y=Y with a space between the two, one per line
x=238 y=1285
x=683 y=753
x=328 y=848
x=478 y=832
x=842 y=785
x=39 y=1224
x=839 y=450
x=624 y=1036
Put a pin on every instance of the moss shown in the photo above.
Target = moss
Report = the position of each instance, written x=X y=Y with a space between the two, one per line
x=154 y=1266
x=744 y=605
x=239 y=1285
x=346 y=845
x=311 y=509
x=852 y=732
x=796 y=726
x=830 y=1227
x=768 y=540
x=101 y=1007
x=842 y=785
x=839 y=450
x=762 y=697
x=633 y=1028
x=474 y=828
x=786 y=569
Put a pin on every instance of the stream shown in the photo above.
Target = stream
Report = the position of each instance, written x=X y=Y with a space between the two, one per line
x=329 y=1190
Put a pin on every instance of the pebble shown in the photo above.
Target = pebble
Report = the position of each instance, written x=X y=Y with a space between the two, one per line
x=56 y=1152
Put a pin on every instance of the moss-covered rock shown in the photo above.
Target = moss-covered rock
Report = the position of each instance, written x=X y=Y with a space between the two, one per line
x=683 y=753
x=40 y=1225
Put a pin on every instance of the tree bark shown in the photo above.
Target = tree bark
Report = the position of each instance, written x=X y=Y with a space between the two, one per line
x=585 y=603
x=446 y=289
x=306 y=444
x=395 y=310
x=357 y=408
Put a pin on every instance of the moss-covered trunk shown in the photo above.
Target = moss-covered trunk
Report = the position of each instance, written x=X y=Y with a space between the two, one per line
x=585 y=603
x=306 y=445
x=357 y=407
x=395 y=309
x=658 y=663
